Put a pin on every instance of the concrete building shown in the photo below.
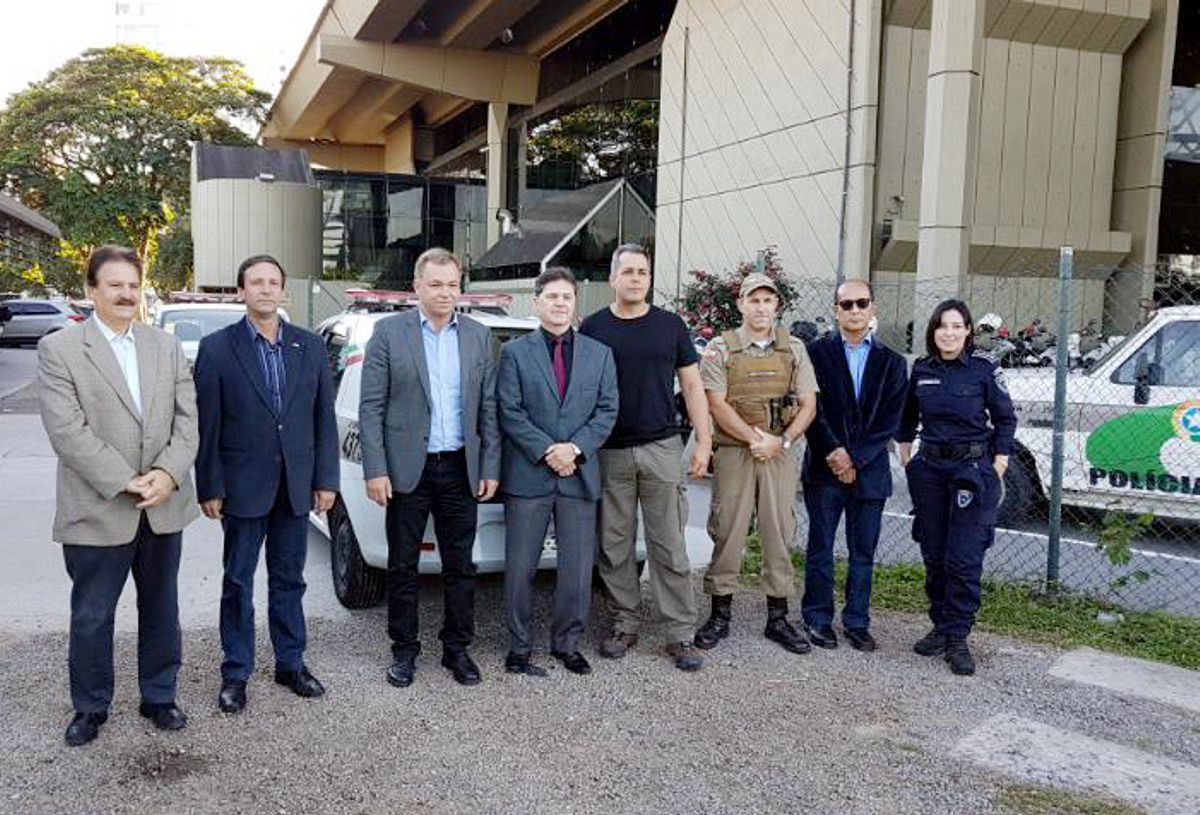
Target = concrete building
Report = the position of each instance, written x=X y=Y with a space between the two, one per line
x=27 y=238
x=935 y=146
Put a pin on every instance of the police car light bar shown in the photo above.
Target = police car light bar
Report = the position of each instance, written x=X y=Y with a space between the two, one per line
x=202 y=297
x=408 y=298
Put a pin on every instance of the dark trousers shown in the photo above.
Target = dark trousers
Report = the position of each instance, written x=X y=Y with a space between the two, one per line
x=826 y=504
x=444 y=492
x=98 y=574
x=286 y=536
x=954 y=506
x=526 y=521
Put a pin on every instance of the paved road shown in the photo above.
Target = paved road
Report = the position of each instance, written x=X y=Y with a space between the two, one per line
x=18 y=367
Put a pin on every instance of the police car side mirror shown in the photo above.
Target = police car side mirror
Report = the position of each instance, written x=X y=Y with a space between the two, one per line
x=1145 y=374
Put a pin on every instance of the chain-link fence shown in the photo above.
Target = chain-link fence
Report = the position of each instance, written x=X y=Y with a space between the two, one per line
x=1109 y=362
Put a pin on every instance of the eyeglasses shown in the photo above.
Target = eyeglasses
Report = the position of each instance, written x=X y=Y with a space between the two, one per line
x=862 y=303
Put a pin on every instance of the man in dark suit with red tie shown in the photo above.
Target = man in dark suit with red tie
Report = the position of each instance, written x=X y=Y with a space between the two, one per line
x=847 y=469
x=557 y=398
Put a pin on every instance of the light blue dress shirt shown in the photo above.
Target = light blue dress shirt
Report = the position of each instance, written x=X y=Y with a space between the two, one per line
x=445 y=386
x=856 y=361
x=125 y=351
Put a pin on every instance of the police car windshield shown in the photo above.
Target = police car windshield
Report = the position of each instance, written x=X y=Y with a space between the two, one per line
x=192 y=324
x=1111 y=352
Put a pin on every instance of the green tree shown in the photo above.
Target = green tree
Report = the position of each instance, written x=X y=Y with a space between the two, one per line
x=103 y=144
x=595 y=142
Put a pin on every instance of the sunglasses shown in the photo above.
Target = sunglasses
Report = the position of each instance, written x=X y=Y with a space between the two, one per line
x=862 y=303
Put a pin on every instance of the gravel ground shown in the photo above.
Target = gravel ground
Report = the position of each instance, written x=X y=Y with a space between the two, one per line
x=758 y=730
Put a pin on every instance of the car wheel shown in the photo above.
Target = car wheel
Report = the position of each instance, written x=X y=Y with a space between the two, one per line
x=356 y=584
x=1022 y=497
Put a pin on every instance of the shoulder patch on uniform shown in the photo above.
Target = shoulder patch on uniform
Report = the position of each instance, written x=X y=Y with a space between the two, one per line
x=1001 y=383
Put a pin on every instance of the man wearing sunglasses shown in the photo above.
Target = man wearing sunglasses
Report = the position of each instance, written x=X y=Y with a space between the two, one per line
x=846 y=466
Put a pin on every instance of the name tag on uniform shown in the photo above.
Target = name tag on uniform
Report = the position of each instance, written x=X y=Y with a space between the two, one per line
x=931 y=381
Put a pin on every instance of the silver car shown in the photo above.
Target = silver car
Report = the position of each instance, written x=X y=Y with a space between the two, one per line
x=34 y=319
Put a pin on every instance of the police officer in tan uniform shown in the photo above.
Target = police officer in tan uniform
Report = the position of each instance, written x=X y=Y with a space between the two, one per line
x=762 y=394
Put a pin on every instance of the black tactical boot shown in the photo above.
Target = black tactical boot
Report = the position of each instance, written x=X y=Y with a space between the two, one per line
x=959 y=656
x=780 y=630
x=931 y=644
x=717 y=627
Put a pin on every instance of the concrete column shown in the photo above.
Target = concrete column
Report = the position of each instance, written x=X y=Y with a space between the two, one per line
x=497 y=166
x=951 y=145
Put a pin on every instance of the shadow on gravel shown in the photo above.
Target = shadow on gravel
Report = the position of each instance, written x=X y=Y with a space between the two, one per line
x=167 y=766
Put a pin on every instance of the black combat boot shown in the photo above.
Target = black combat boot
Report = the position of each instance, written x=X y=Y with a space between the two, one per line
x=780 y=630
x=959 y=656
x=931 y=644
x=717 y=627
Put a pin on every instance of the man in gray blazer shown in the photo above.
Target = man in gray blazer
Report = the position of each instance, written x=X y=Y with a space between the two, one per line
x=557 y=393
x=119 y=408
x=430 y=445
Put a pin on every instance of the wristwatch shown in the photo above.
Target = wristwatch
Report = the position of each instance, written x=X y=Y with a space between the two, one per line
x=578 y=452
x=787 y=443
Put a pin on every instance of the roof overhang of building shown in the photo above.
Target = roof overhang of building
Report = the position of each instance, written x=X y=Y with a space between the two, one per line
x=367 y=64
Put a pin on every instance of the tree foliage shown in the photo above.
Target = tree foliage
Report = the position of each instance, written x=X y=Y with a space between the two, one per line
x=102 y=145
x=595 y=142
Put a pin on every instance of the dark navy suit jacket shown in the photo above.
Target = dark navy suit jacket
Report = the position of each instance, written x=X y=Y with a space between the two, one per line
x=864 y=426
x=532 y=417
x=245 y=447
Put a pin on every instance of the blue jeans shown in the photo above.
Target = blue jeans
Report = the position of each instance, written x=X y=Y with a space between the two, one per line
x=286 y=538
x=826 y=504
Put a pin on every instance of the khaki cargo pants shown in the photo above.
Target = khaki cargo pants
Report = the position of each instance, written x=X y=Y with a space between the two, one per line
x=652 y=475
x=741 y=489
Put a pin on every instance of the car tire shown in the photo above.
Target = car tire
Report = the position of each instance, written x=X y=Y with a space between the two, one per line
x=356 y=584
x=1022 y=497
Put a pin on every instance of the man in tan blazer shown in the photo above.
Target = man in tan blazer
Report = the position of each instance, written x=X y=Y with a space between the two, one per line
x=119 y=406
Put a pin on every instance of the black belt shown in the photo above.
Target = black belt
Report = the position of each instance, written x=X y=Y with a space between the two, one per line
x=952 y=452
x=445 y=455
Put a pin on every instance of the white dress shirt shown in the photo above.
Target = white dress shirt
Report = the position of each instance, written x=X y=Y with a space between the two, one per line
x=125 y=351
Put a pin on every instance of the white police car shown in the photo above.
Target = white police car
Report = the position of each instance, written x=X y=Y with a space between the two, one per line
x=1132 y=439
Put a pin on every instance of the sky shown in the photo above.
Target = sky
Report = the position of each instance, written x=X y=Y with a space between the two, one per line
x=265 y=35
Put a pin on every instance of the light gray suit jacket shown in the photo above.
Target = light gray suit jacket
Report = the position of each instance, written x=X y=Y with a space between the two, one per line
x=102 y=441
x=394 y=407
x=532 y=417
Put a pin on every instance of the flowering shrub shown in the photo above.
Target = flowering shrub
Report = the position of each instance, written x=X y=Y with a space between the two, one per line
x=708 y=303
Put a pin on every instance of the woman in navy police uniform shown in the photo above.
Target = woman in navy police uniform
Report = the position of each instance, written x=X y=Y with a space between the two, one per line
x=959 y=402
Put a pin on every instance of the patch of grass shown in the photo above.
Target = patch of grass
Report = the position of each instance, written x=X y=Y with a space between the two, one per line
x=1028 y=799
x=1025 y=611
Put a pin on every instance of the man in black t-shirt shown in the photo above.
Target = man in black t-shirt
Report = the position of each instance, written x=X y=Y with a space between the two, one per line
x=642 y=460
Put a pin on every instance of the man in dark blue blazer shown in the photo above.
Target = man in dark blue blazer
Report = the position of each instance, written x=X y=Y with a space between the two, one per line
x=268 y=455
x=846 y=466
x=557 y=398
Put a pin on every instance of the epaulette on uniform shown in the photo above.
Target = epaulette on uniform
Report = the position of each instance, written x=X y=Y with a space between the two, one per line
x=988 y=355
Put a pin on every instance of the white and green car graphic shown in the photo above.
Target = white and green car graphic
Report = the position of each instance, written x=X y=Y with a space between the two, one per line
x=1132 y=426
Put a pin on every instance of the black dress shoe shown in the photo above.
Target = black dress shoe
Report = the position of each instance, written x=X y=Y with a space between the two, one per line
x=780 y=631
x=400 y=674
x=165 y=715
x=459 y=663
x=301 y=682
x=232 y=697
x=573 y=662
x=84 y=727
x=860 y=639
x=520 y=664
x=822 y=636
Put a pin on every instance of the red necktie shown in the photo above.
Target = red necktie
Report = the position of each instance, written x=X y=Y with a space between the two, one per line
x=559 y=364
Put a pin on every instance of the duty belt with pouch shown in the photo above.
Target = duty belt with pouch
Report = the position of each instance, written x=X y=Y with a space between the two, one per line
x=952 y=452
